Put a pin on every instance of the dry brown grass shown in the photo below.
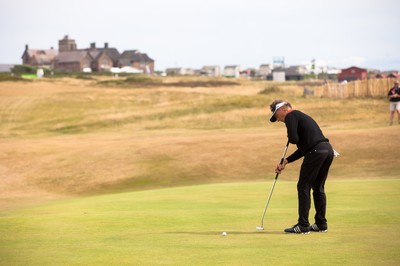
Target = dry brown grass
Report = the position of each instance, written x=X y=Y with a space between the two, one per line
x=131 y=139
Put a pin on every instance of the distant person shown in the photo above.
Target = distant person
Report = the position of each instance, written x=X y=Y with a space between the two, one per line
x=318 y=155
x=394 y=98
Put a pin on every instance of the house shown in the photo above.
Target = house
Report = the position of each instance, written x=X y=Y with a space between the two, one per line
x=393 y=74
x=248 y=73
x=103 y=58
x=179 y=71
x=265 y=70
x=138 y=60
x=175 y=71
x=289 y=73
x=387 y=74
x=39 y=57
x=69 y=58
x=379 y=75
x=73 y=61
x=277 y=74
x=352 y=73
x=232 y=71
x=210 y=71
x=295 y=72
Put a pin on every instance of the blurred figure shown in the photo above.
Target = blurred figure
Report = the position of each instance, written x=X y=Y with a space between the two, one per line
x=394 y=98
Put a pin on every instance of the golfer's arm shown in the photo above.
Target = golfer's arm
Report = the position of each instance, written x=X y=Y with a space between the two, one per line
x=294 y=156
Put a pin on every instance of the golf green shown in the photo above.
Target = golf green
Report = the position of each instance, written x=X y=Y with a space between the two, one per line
x=184 y=225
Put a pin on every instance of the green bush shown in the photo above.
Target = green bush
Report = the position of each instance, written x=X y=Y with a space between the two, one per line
x=28 y=70
x=23 y=69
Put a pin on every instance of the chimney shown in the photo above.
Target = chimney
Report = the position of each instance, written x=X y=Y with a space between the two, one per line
x=93 y=45
x=26 y=47
x=106 y=45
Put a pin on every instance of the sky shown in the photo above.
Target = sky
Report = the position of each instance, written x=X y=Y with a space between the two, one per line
x=194 y=33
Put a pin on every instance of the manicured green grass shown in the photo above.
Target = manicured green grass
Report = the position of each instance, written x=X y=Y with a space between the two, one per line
x=183 y=226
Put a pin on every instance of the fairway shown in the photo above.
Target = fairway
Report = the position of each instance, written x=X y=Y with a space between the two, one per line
x=183 y=226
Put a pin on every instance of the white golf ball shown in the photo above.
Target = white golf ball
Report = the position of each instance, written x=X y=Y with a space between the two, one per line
x=224 y=233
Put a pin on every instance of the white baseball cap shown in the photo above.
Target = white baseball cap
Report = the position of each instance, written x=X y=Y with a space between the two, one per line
x=279 y=105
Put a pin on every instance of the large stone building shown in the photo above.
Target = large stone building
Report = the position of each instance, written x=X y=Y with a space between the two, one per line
x=98 y=59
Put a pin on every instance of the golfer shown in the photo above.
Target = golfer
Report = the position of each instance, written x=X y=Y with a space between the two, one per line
x=318 y=154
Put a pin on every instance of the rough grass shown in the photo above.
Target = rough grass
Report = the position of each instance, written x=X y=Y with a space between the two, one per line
x=152 y=82
x=68 y=137
x=10 y=77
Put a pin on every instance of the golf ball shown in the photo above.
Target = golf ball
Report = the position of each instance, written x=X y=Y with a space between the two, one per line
x=224 y=233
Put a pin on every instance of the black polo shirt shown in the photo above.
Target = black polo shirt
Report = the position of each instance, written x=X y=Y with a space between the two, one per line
x=303 y=131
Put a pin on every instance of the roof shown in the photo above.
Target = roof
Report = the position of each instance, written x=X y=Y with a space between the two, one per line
x=210 y=67
x=130 y=56
x=362 y=69
x=232 y=66
x=112 y=52
x=290 y=71
x=48 y=52
x=42 y=56
x=71 y=56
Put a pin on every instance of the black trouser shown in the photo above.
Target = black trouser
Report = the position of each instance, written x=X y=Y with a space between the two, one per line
x=313 y=174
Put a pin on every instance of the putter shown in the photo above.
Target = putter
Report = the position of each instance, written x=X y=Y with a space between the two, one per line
x=272 y=189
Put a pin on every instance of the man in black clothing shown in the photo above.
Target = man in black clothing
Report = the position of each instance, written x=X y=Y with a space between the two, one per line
x=394 y=98
x=318 y=154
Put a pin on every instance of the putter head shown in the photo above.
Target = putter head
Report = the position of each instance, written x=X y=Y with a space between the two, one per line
x=259 y=228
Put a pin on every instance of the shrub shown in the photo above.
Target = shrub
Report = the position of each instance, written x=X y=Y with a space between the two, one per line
x=23 y=69
x=28 y=70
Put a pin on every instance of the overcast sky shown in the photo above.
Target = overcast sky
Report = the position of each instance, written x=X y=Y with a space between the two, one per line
x=179 y=33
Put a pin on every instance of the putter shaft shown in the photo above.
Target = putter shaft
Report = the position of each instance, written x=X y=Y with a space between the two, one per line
x=272 y=189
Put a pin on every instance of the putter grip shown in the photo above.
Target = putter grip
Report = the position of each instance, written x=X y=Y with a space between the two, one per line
x=283 y=157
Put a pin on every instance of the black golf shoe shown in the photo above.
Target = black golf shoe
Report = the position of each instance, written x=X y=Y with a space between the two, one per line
x=318 y=228
x=298 y=229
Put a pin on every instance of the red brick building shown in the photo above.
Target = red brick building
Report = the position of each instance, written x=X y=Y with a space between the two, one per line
x=352 y=73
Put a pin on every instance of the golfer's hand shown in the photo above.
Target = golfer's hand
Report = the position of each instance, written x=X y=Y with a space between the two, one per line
x=280 y=167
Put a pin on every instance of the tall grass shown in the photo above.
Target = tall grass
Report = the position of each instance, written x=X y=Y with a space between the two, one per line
x=74 y=137
x=107 y=109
